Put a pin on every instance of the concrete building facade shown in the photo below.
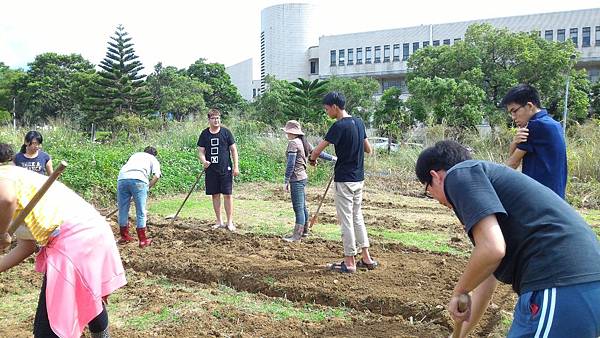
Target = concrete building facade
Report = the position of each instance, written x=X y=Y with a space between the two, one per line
x=290 y=48
x=383 y=54
x=287 y=32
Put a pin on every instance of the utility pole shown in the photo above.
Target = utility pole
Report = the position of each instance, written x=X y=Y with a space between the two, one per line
x=564 y=121
x=14 y=113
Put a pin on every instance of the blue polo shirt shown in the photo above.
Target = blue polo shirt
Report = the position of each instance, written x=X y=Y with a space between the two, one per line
x=546 y=158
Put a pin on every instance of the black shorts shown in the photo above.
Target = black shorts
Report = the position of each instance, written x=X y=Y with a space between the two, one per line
x=217 y=183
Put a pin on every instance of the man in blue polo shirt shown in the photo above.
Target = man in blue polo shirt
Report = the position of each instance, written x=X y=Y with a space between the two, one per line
x=523 y=235
x=539 y=142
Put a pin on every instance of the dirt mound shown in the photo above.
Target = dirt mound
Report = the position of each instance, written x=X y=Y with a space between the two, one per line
x=410 y=285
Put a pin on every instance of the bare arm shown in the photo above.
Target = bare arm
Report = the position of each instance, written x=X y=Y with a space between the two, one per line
x=489 y=250
x=49 y=168
x=514 y=161
x=234 y=158
x=202 y=157
x=368 y=148
x=516 y=155
x=23 y=250
x=480 y=299
x=317 y=151
x=153 y=181
x=8 y=204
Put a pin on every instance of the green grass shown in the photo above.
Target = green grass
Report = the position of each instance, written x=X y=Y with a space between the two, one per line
x=150 y=320
x=18 y=307
x=275 y=218
x=225 y=297
x=433 y=242
x=279 y=309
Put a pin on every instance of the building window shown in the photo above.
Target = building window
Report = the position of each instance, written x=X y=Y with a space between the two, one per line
x=332 y=57
x=396 y=52
x=447 y=42
x=560 y=35
x=549 y=35
x=386 y=53
x=585 y=36
x=415 y=47
x=574 y=35
x=456 y=40
x=314 y=67
x=425 y=44
x=377 y=54
x=341 y=57
x=253 y=92
x=405 y=51
x=368 y=54
x=350 y=56
x=436 y=43
x=358 y=56
x=597 y=35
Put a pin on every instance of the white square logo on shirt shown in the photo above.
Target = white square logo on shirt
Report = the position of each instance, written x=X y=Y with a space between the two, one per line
x=214 y=159
x=214 y=142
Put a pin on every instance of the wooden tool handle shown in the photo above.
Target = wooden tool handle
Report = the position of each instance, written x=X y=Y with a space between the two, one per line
x=313 y=219
x=463 y=303
x=186 y=197
x=18 y=220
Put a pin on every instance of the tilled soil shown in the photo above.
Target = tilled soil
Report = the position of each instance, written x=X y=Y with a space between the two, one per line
x=405 y=296
x=410 y=286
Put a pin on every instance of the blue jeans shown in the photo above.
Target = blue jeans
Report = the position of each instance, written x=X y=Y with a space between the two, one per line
x=298 y=191
x=138 y=191
x=565 y=311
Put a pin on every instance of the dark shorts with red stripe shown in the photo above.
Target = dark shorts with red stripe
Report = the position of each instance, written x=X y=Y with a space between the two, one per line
x=559 y=312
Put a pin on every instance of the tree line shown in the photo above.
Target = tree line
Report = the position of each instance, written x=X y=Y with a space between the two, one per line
x=68 y=87
x=458 y=85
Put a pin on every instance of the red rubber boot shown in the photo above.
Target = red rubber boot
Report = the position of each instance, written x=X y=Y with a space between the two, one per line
x=125 y=237
x=144 y=241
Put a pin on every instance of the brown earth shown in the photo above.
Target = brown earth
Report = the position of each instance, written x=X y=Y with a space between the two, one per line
x=405 y=297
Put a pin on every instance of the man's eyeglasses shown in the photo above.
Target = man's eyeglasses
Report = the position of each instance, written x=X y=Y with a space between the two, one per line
x=426 y=193
x=214 y=118
x=514 y=111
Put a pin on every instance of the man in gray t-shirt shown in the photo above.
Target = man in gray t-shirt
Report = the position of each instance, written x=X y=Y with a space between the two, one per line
x=524 y=235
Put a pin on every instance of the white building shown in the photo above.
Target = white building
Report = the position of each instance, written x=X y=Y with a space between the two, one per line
x=241 y=77
x=289 y=49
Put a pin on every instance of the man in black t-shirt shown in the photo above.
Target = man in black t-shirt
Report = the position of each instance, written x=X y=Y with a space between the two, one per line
x=524 y=235
x=216 y=149
x=348 y=136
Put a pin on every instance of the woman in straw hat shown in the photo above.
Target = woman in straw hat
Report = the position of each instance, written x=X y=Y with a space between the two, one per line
x=297 y=152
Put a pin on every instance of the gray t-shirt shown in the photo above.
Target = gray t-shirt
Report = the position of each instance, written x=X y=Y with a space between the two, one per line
x=140 y=166
x=548 y=244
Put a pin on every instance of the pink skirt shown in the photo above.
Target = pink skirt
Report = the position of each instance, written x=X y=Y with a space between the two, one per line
x=82 y=264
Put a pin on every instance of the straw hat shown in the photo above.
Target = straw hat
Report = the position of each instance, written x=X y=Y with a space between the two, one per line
x=293 y=127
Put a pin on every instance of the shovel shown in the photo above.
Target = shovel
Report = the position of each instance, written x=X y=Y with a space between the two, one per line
x=18 y=220
x=173 y=217
x=313 y=219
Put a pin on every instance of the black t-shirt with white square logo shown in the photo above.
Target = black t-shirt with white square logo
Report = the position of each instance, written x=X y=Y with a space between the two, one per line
x=216 y=149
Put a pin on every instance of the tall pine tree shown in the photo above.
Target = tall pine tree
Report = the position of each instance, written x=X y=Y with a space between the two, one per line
x=119 y=89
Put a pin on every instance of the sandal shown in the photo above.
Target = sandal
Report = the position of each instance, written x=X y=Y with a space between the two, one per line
x=340 y=267
x=362 y=265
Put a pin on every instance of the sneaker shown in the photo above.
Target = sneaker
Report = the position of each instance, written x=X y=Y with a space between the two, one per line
x=231 y=227
x=218 y=226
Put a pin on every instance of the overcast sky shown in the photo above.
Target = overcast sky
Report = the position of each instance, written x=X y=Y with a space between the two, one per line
x=178 y=32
